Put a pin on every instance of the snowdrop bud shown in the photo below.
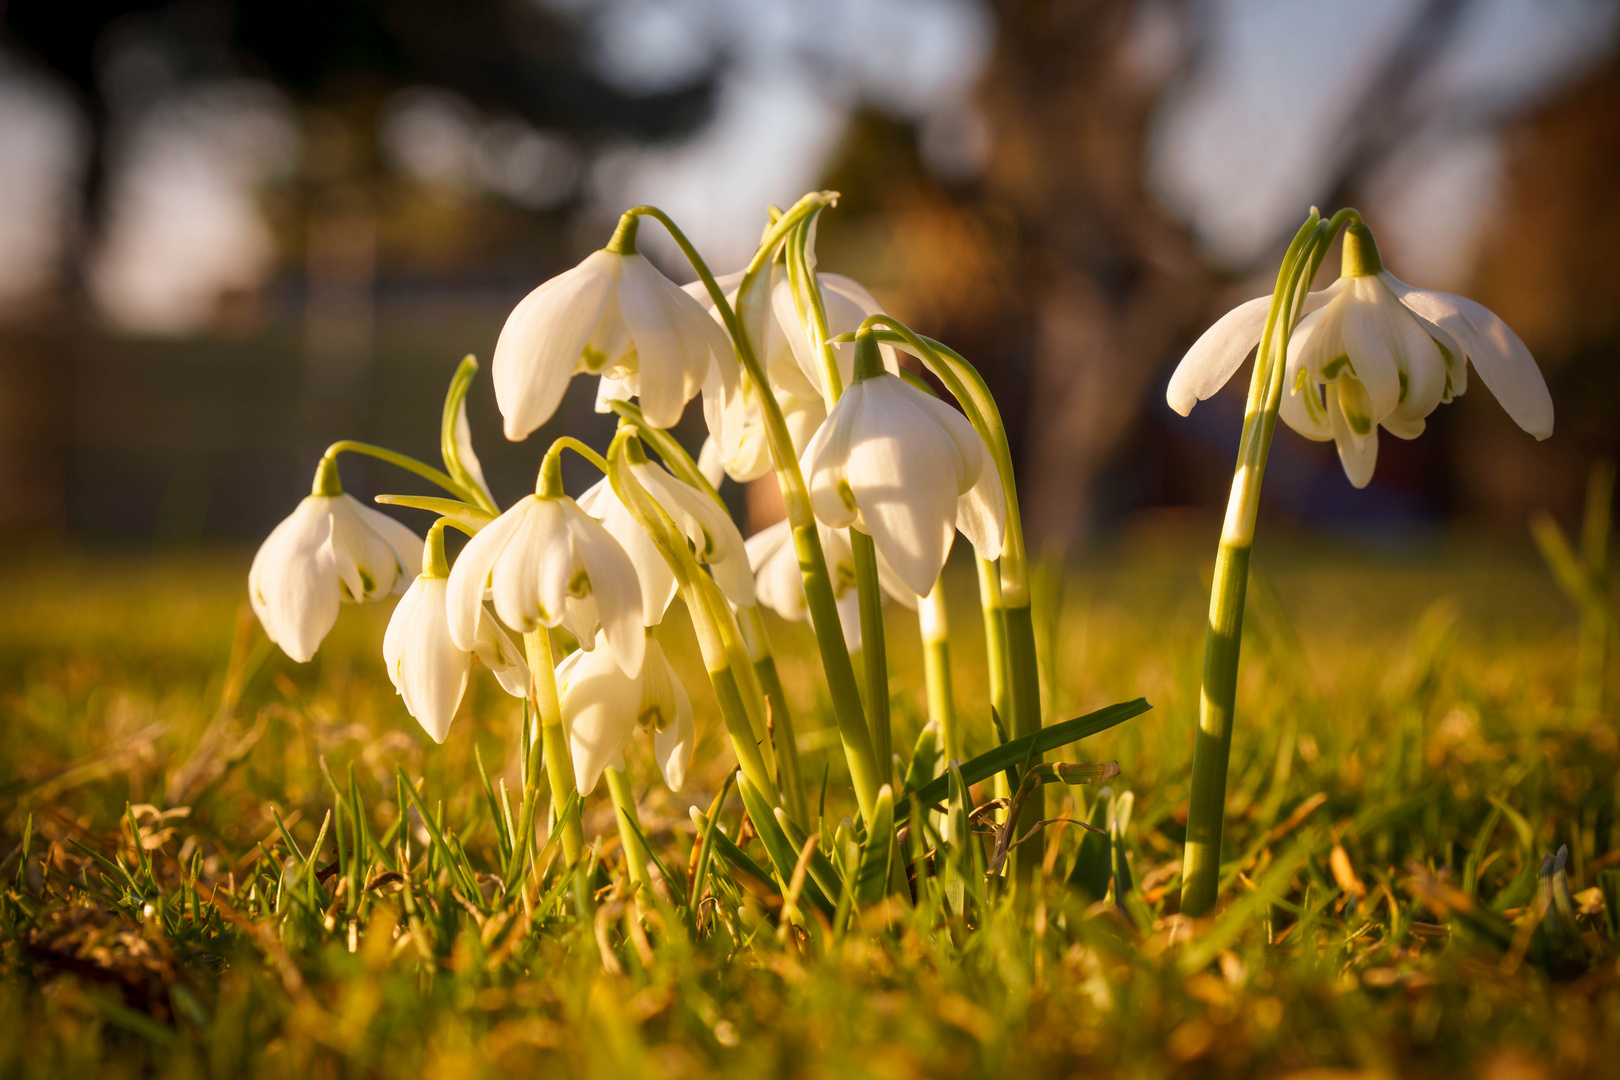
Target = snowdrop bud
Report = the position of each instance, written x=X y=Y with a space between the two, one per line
x=548 y=563
x=1371 y=352
x=602 y=707
x=894 y=462
x=330 y=549
x=614 y=315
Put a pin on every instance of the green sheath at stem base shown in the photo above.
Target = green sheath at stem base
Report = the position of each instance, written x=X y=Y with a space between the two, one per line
x=1025 y=684
x=1206 y=806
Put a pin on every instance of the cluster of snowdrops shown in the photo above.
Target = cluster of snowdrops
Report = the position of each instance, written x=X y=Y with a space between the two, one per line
x=800 y=373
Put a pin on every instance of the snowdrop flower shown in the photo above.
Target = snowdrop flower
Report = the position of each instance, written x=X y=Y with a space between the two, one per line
x=330 y=549
x=713 y=536
x=1372 y=351
x=734 y=413
x=548 y=563
x=894 y=462
x=847 y=303
x=602 y=707
x=780 y=585
x=615 y=315
x=426 y=666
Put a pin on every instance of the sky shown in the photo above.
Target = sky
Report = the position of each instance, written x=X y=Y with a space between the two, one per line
x=1240 y=144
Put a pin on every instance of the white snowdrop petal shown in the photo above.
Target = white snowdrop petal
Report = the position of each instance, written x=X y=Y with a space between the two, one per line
x=503 y=657
x=1217 y=354
x=428 y=669
x=540 y=345
x=1370 y=340
x=1497 y=353
x=660 y=359
x=470 y=576
x=1357 y=453
x=652 y=570
x=613 y=586
x=293 y=582
x=599 y=711
x=401 y=540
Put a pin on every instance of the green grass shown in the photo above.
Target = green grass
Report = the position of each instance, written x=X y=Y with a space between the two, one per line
x=1405 y=759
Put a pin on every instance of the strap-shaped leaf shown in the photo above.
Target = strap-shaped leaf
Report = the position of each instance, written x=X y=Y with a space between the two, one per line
x=1013 y=753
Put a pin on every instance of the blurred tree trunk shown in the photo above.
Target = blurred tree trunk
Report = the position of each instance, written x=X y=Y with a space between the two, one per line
x=1055 y=272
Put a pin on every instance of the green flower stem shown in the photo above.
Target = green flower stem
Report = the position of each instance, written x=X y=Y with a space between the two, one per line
x=995 y=637
x=1223 y=639
x=706 y=606
x=872 y=644
x=1020 y=670
x=553 y=739
x=750 y=621
x=789 y=772
x=636 y=855
x=460 y=383
x=753 y=297
x=548 y=484
x=934 y=625
x=326 y=471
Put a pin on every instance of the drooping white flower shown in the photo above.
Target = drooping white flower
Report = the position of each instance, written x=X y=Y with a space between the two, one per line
x=1372 y=352
x=614 y=315
x=780 y=586
x=602 y=707
x=847 y=303
x=713 y=536
x=427 y=667
x=330 y=549
x=734 y=412
x=548 y=563
x=895 y=462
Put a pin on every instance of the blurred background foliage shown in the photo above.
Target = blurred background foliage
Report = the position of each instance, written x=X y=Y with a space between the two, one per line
x=233 y=232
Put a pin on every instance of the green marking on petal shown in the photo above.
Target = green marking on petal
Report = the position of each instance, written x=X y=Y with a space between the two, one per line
x=1353 y=402
x=1333 y=368
x=579 y=586
x=652 y=719
x=846 y=495
x=1401 y=375
x=367 y=583
x=593 y=359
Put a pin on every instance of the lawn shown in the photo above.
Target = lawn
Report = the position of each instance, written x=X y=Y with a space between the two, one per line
x=1406 y=759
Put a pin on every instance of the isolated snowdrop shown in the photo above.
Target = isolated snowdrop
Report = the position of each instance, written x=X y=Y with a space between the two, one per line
x=1372 y=351
x=894 y=462
x=548 y=563
x=602 y=707
x=330 y=549
x=426 y=666
x=615 y=315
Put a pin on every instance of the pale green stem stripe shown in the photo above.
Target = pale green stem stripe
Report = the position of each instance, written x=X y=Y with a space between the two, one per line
x=934 y=624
